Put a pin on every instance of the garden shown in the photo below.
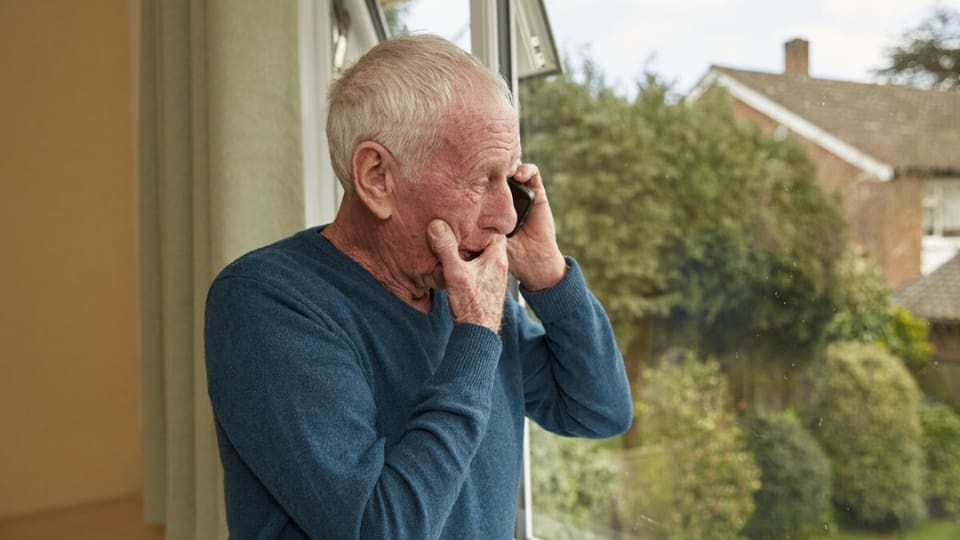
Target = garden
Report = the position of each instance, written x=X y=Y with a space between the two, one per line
x=775 y=380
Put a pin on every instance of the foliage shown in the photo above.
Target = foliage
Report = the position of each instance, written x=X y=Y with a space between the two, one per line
x=929 y=55
x=941 y=442
x=794 y=499
x=865 y=312
x=906 y=338
x=575 y=479
x=692 y=476
x=863 y=301
x=865 y=414
x=677 y=213
x=930 y=530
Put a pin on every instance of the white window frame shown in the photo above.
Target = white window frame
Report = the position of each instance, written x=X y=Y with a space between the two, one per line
x=321 y=192
x=492 y=39
x=326 y=45
x=937 y=246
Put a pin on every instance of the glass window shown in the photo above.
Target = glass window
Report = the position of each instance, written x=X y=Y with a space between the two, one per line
x=942 y=204
x=753 y=197
x=445 y=18
x=750 y=207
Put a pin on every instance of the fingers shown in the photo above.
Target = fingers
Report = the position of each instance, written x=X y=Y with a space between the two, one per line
x=482 y=300
x=443 y=242
x=495 y=253
x=535 y=256
x=529 y=174
x=475 y=288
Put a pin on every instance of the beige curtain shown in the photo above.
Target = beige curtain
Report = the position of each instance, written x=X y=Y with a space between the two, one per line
x=220 y=164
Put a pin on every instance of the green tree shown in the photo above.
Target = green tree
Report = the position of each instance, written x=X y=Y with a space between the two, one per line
x=692 y=229
x=929 y=55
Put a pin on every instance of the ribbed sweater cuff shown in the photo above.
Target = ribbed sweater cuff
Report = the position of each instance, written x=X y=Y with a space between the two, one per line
x=567 y=296
x=471 y=358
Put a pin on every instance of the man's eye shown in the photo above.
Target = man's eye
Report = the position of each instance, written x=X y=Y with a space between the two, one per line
x=481 y=184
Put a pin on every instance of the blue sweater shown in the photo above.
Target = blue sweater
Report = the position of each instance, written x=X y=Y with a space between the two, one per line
x=342 y=412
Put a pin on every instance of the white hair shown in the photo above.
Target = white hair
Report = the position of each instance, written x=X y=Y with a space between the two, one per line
x=398 y=94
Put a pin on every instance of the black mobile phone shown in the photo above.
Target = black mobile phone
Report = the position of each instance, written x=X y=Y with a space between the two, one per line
x=522 y=202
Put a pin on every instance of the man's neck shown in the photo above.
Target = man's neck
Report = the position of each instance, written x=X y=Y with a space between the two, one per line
x=357 y=239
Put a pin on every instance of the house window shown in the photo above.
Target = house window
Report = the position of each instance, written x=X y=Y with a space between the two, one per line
x=931 y=225
x=941 y=205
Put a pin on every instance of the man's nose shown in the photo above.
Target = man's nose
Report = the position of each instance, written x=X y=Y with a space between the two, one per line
x=502 y=216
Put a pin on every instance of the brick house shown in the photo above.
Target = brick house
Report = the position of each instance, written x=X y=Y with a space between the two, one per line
x=891 y=153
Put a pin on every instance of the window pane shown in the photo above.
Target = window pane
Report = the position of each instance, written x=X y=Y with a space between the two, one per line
x=769 y=217
x=446 y=18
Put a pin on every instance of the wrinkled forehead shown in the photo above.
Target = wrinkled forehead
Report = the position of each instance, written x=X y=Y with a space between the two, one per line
x=488 y=114
x=481 y=116
x=480 y=140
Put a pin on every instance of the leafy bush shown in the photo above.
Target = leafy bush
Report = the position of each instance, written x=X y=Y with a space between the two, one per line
x=865 y=312
x=574 y=480
x=863 y=299
x=794 y=499
x=906 y=337
x=866 y=416
x=692 y=476
x=941 y=442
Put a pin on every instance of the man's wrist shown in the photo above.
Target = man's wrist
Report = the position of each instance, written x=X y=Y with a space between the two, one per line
x=548 y=275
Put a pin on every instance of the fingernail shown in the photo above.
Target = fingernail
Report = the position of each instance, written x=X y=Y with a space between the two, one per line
x=437 y=227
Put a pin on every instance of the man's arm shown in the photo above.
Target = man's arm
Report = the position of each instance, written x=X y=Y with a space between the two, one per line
x=574 y=378
x=575 y=382
x=291 y=397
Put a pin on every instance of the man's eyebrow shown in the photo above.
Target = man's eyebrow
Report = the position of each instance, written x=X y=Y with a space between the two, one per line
x=495 y=165
x=487 y=166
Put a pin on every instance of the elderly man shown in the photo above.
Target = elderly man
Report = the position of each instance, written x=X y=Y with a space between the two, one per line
x=370 y=378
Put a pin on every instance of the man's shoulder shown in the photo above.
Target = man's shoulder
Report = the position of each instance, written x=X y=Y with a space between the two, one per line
x=295 y=268
x=286 y=258
x=304 y=272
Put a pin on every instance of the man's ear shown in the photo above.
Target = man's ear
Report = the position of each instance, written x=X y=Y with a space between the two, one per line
x=374 y=177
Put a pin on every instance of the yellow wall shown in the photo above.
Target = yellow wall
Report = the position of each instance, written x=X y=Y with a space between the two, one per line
x=69 y=351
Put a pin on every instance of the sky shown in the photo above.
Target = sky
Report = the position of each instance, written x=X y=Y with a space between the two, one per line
x=678 y=40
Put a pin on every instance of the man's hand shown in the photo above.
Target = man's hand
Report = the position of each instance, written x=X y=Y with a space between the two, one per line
x=535 y=257
x=476 y=288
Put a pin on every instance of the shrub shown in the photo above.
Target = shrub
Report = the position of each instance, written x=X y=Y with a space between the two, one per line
x=865 y=313
x=941 y=442
x=574 y=481
x=906 y=338
x=794 y=498
x=692 y=476
x=865 y=414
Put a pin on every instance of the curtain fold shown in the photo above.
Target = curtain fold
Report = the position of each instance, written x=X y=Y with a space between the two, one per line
x=220 y=174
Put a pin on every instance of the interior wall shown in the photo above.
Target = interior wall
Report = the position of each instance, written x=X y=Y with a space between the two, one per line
x=69 y=315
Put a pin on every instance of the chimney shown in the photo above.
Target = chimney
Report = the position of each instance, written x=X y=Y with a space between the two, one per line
x=796 y=58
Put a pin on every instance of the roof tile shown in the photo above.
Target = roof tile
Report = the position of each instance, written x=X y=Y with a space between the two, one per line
x=937 y=296
x=913 y=130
